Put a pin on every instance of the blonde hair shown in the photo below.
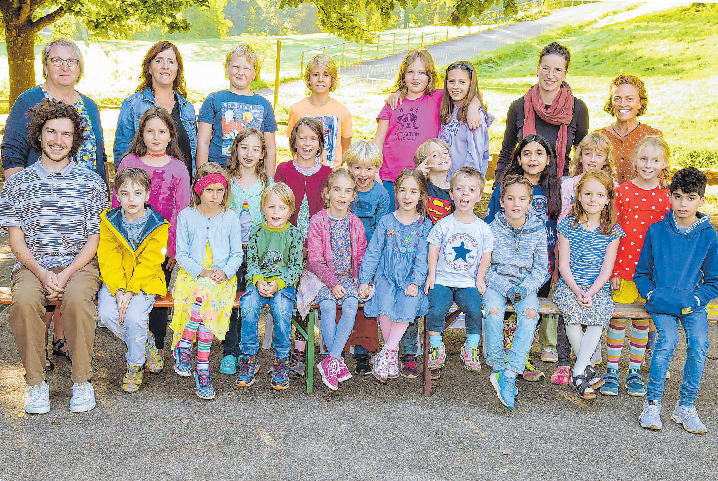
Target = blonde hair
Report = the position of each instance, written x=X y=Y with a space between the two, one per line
x=658 y=143
x=333 y=177
x=422 y=153
x=422 y=207
x=411 y=57
x=608 y=213
x=204 y=170
x=245 y=51
x=233 y=164
x=363 y=151
x=468 y=171
x=322 y=60
x=283 y=192
x=593 y=141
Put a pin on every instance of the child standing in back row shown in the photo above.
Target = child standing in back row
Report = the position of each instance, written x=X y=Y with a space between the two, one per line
x=364 y=160
x=320 y=76
x=677 y=274
x=460 y=248
x=468 y=148
x=640 y=202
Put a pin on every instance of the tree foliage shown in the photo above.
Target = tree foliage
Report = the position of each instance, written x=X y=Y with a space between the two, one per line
x=351 y=19
x=22 y=19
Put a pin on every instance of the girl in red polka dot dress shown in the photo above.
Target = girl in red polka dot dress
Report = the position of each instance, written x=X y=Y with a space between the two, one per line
x=640 y=202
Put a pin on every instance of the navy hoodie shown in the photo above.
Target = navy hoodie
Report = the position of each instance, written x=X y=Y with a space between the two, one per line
x=678 y=270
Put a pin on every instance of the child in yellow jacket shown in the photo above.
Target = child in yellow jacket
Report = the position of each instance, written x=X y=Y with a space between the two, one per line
x=133 y=243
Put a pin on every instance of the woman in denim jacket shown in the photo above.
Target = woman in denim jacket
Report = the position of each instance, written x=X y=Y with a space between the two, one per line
x=162 y=83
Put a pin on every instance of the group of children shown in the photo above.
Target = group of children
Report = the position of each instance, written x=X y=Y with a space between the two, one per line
x=312 y=232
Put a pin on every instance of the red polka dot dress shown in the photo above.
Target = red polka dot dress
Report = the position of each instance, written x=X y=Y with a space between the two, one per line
x=637 y=209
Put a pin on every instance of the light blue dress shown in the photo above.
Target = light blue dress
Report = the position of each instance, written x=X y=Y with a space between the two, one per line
x=397 y=256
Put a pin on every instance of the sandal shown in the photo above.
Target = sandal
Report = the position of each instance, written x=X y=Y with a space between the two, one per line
x=581 y=384
x=594 y=379
x=49 y=365
x=57 y=349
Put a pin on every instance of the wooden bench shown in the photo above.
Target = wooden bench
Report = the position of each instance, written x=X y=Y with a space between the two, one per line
x=168 y=301
x=546 y=306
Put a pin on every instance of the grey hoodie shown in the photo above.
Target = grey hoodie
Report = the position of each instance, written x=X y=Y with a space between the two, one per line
x=520 y=256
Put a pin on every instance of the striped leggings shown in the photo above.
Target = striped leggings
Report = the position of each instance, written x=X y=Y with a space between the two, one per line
x=617 y=333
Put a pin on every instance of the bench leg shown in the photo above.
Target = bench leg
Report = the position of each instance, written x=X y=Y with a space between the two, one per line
x=309 y=366
x=425 y=362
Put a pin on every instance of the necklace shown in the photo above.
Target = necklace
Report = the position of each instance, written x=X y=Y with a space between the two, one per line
x=156 y=156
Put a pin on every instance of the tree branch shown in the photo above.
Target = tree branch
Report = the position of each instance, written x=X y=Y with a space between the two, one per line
x=48 y=19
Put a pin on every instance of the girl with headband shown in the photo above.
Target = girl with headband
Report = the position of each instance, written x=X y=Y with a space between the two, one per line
x=209 y=252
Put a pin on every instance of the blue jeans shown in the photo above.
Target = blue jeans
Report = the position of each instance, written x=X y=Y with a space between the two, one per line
x=696 y=328
x=410 y=340
x=389 y=186
x=230 y=345
x=440 y=300
x=281 y=305
x=134 y=328
x=523 y=337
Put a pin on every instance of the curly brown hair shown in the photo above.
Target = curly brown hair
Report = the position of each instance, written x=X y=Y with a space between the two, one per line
x=179 y=85
x=233 y=164
x=49 y=109
x=628 y=79
x=424 y=55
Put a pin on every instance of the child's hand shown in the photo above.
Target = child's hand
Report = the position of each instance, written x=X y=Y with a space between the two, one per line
x=429 y=285
x=481 y=285
x=206 y=273
x=423 y=168
x=272 y=288
x=218 y=276
x=615 y=283
x=171 y=263
x=339 y=291
x=395 y=99
x=261 y=288
x=123 y=300
x=584 y=300
x=412 y=290
x=364 y=291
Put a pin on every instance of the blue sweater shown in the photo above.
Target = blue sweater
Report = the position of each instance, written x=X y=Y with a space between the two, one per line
x=678 y=270
x=16 y=150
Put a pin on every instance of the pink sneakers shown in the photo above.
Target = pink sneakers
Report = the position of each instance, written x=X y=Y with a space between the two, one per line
x=329 y=368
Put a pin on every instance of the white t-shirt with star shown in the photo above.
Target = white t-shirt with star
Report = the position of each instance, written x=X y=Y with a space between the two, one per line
x=461 y=248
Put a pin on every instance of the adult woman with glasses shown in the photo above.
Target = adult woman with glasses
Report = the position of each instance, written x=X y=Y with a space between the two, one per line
x=162 y=84
x=62 y=69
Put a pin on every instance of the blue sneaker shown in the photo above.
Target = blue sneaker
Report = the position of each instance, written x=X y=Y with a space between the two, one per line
x=280 y=373
x=182 y=359
x=634 y=383
x=650 y=417
x=228 y=365
x=248 y=368
x=83 y=397
x=505 y=388
x=610 y=382
x=203 y=384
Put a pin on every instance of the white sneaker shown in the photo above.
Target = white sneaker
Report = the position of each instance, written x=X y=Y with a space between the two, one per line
x=83 y=397
x=38 y=399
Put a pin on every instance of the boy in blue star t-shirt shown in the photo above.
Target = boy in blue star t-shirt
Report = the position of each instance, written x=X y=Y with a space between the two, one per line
x=460 y=247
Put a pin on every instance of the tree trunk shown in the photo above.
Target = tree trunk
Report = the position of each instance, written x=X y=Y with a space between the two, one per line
x=21 y=59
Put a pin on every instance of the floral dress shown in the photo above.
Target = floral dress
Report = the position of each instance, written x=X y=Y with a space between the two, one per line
x=341 y=255
x=218 y=301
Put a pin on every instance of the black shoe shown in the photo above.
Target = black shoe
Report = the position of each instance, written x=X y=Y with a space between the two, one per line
x=363 y=364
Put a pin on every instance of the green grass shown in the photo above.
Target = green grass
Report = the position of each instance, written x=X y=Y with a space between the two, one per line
x=671 y=51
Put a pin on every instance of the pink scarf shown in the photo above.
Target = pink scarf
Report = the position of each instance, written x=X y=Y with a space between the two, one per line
x=560 y=112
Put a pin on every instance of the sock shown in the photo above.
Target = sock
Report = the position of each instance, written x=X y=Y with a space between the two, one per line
x=472 y=340
x=651 y=345
x=191 y=327
x=204 y=343
x=588 y=345
x=614 y=341
x=397 y=331
x=639 y=338
x=435 y=340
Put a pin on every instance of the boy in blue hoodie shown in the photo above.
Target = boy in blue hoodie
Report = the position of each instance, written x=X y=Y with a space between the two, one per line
x=677 y=274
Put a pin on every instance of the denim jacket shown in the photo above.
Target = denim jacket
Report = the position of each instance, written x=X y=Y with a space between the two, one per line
x=16 y=151
x=223 y=233
x=129 y=121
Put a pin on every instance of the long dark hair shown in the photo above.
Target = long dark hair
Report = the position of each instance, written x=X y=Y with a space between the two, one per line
x=548 y=181
x=138 y=147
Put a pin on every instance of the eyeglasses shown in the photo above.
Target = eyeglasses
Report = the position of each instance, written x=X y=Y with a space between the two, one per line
x=59 y=61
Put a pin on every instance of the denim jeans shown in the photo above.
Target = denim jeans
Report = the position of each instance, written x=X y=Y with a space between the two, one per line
x=410 y=340
x=281 y=305
x=440 y=300
x=523 y=337
x=696 y=328
x=134 y=328
x=230 y=345
x=389 y=186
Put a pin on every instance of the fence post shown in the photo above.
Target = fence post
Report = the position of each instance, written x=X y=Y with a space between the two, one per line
x=361 y=50
x=343 y=53
x=393 y=45
x=301 y=65
x=408 y=40
x=447 y=32
x=276 y=73
x=422 y=39
x=378 y=38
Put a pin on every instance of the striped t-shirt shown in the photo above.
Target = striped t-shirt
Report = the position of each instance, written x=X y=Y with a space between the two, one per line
x=57 y=211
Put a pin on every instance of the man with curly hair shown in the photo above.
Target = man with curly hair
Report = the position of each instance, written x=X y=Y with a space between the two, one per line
x=51 y=211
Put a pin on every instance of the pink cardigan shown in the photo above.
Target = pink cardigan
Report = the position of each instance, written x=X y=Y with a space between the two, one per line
x=319 y=247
